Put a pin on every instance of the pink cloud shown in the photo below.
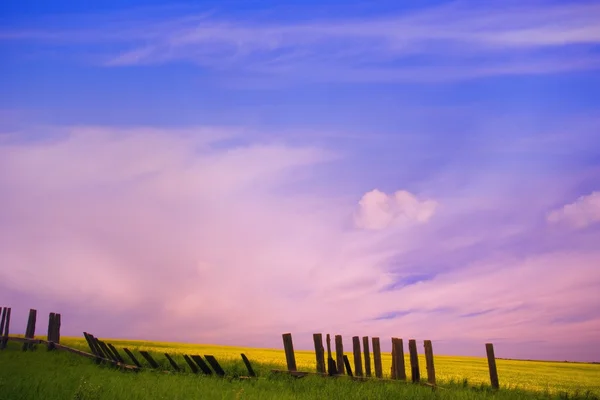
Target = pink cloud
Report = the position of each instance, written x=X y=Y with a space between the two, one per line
x=378 y=210
x=166 y=227
x=581 y=213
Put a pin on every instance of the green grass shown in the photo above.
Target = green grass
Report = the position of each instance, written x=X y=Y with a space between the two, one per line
x=60 y=375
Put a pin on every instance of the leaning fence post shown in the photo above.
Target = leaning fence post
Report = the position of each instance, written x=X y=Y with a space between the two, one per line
x=212 y=361
x=248 y=365
x=339 y=354
x=377 y=357
x=130 y=354
x=347 y=364
x=429 y=362
x=172 y=362
x=189 y=361
x=414 y=361
x=319 y=352
x=489 y=348
x=288 y=346
x=149 y=358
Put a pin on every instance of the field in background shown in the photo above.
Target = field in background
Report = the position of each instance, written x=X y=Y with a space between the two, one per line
x=59 y=375
x=539 y=376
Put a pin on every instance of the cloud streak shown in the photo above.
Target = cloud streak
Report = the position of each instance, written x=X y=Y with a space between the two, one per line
x=462 y=40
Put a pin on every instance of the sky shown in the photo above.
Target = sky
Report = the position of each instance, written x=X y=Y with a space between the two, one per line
x=227 y=171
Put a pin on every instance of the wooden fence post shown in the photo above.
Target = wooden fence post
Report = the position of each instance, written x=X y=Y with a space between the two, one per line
x=398 y=364
x=377 y=357
x=347 y=364
x=149 y=358
x=172 y=362
x=288 y=346
x=339 y=354
x=110 y=355
x=331 y=366
x=189 y=361
x=203 y=366
x=2 y=320
x=489 y=349
x=5 y=327
x=248 y=365
x=212 y=361
x=367 y=356
x=51 y=319
x=57 y=328
x=130 y=354
x=414 y=361
x=114 y=350
x=358 y=370
x=319 y=352
x=93 y=347
x=30 y=331
x=429 y=361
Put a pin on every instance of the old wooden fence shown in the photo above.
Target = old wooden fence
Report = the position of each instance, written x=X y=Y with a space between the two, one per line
x=106 y=353
x=341 y=365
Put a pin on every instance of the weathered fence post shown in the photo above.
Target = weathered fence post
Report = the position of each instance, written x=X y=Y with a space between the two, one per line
x=189 y=361
x=114 y=350
x=429 y=361
x=358 y=370
x=110 y=355
x=319 y=352
x=414 y=361
x=331 y=366
x=248 y=365
x=130 y=355
x=398 y=364
x=4 y=327
x=30 y=331
x=489 y=348
x=212 y=361
x=288 y=346
x=172 y=362
x=51 y=322
x=57 y=328
x=367 y=356
x=347 y=364
x=2 y=320
x=203 y=366
x=377 y=357
x=339 y=354
x=149 y=358
x=93 y=347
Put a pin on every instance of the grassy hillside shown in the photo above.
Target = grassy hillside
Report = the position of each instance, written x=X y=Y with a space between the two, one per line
x=58 y=375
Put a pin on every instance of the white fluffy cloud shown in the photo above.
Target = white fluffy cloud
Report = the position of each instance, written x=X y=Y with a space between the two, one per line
x=581 y=213
x=378 y=210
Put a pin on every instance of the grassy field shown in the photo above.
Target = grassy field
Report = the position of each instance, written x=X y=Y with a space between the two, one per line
x=60 y=375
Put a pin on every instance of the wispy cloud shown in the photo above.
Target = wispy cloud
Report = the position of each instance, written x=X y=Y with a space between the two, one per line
x=453 y=41
x=143 y=226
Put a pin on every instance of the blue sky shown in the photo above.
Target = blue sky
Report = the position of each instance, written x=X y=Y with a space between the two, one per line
x=415 y=146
